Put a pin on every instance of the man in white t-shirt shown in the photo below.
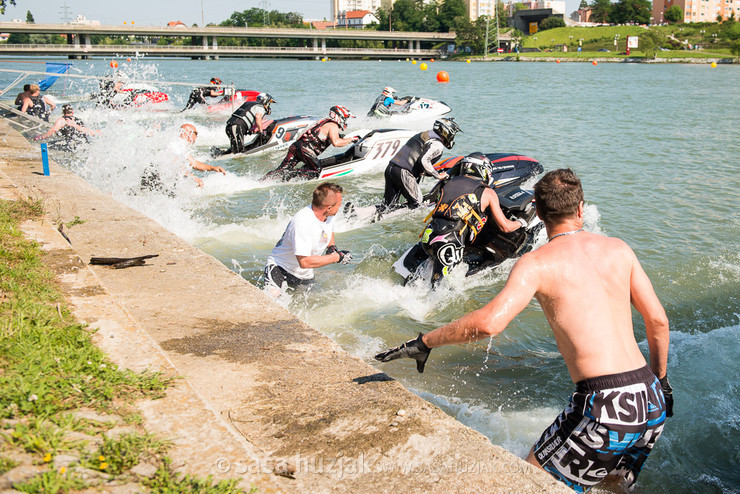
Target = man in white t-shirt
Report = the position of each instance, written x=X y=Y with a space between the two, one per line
x=307 y=243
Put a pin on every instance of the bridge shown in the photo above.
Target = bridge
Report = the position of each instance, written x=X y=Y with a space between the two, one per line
x=396 y=44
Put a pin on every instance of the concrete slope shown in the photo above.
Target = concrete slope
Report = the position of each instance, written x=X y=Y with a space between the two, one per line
x=262 y=393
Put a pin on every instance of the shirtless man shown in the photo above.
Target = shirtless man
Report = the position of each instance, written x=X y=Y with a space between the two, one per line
x=584 y=283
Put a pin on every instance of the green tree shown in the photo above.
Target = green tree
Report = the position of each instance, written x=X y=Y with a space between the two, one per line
x=5 y=3
x=29 y=17
x=735 y=49
x=18 y=39
x=631 y=11
x=650 y=41
x=448 y=11
x=674 y=13
x=601 y=11
x=472 y=34
x=583 y=5
x=551 y=23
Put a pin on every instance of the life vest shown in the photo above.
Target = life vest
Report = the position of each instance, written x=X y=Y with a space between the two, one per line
x=379 y=109
x=71 y=133
x=408 y=156
x=311 y=138
x=461 y=202
x=246 y=113
x=38 y=109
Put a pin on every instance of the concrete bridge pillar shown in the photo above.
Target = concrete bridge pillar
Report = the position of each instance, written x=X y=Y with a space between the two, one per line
x=418 y=46
x=205 y=47
x=411 y=46
x=323 y=46
x=214 y=44
x=88 y=43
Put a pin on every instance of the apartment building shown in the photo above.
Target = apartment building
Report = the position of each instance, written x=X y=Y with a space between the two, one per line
x=697 y=10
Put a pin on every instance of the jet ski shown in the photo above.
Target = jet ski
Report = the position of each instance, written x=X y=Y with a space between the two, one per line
x=371 y=153
x=232 y=100
x=491 y=246
x=281 y=133
x=134 y=96
x=415 y=108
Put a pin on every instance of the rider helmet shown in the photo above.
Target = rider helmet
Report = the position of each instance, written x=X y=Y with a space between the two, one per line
x=67 y=109
x=265 y=100
x=446 y=128
x=216 y=80
x=478 y=165
x=389 y=92
x=340 y=114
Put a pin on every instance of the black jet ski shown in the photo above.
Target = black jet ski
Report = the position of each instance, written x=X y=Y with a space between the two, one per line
x=491 y=246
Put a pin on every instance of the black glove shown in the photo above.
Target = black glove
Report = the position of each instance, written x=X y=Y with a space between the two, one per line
x=344 y=255
x=415 y=349
x=668 y=394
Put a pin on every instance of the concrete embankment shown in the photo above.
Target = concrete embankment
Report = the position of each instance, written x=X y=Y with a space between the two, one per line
x=263 y=396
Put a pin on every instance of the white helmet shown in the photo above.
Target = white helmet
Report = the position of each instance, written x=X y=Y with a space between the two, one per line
x=389 y=91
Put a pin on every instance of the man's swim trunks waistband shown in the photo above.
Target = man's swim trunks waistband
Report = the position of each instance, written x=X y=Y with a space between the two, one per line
x=641 y=375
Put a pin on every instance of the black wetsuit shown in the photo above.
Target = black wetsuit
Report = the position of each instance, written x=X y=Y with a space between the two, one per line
x=307 y=150
x=198 y=97
x=405 y=170
x=71 y=137
x=456 y=221
x=242 y=122
x=38 y=109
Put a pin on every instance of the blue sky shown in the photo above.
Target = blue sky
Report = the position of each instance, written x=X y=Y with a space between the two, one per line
x=156 y=12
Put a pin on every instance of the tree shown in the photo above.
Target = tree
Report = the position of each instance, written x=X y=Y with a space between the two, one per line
x=631 y=11
x=5 y=3
x=448 y=11
x=601 y=11
x=650 y=41
x=551 y=23
x=29 y=17
x=673 y=14
x=735 y=48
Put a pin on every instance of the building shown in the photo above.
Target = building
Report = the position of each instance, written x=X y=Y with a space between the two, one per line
x=340 y=6
x=84 y=21
x=179 y=24
x=697 y=10
x=356 y=19
x=477 y=8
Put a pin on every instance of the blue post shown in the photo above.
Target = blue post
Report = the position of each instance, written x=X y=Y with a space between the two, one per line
x=45 y=159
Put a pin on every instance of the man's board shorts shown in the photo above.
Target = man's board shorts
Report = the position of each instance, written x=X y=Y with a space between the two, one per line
x=608 y=428
x=275 y=276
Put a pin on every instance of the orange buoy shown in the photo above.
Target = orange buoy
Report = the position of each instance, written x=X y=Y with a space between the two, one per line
x=114 y=64
x=431 y=60
x=558 y=61
x=128 y=59
x=423 y=66
x=595 y=62
x=443 y=76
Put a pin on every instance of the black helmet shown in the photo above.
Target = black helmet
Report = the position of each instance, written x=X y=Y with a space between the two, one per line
x=265 y=100
x=66 y=109
x=478 y=165
x=216 y=80
x=446 y=128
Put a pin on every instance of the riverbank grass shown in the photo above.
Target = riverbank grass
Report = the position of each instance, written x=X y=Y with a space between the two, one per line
x=67 y=415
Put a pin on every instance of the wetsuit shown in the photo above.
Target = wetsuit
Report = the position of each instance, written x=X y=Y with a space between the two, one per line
x=406 y=168
x=71 y=137
x=456 y=221
x=381 y=107
x=38 y=109
x=609 y=427
x=243 y=122
x=197 y=97
x=307 y=150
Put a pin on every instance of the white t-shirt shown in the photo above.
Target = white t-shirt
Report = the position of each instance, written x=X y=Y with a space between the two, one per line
x=305 y=235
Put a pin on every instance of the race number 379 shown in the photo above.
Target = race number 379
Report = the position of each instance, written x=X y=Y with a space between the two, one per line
x=387 y=148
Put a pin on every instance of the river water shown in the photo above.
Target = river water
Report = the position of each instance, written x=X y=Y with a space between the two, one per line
x=656 y=147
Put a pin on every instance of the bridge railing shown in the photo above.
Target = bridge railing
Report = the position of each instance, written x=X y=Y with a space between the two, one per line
x=85 y=49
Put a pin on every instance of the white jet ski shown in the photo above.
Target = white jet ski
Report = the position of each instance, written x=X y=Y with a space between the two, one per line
x=416 y=109
x=371 y=153
x=282 y=133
